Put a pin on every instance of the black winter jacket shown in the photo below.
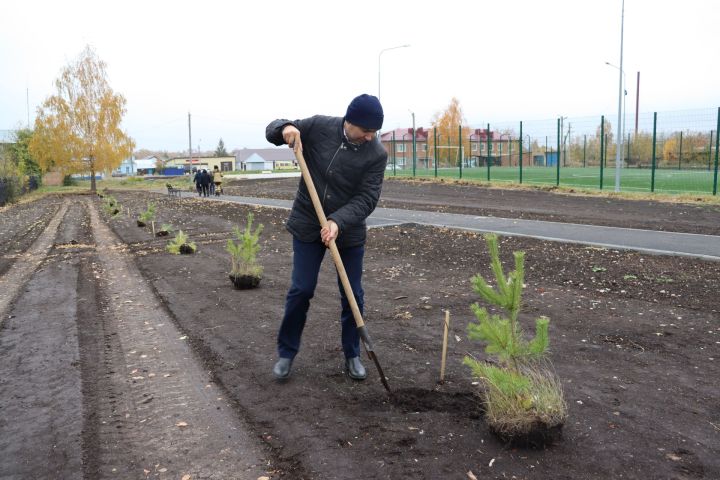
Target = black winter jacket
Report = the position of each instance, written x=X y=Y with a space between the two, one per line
x=348 y=179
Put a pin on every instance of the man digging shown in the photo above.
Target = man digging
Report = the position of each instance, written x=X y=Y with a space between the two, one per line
x=347 y=166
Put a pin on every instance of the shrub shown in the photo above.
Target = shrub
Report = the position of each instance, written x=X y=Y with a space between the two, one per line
x=10 y=179
x=243 y=254
x=521 y=390
x=181 y=243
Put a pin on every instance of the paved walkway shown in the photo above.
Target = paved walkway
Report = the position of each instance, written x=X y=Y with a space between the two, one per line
x=648 y=241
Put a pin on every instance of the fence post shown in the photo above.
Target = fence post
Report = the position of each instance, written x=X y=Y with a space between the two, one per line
x=460 y=149
x=680 y=155
x=627 y=155
x=710 y=151
x=652 y=164
x=584 y=148
x=715 y=179
x=414 y=147
x=602 y=149
x=509 y=151
x=435 y=155
x=521 y=151
x=557 y=175
x=393 y=155
x=488 y=157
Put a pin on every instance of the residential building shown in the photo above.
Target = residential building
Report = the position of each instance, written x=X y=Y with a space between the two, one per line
x=224 y=164
x=265 y=159
x=399 y=144
x=500 y=149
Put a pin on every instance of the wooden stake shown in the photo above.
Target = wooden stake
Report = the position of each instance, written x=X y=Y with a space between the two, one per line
x=153 y=226
x=444 y=347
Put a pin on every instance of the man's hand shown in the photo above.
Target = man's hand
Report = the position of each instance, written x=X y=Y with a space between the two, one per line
x=291 y=135
x=329 y=233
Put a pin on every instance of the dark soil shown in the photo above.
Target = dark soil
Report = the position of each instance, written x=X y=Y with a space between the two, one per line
x=635 y=338
x=21 y=224
x=243 y=282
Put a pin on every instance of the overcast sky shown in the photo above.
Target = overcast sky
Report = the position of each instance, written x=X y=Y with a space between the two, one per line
x=237 y=65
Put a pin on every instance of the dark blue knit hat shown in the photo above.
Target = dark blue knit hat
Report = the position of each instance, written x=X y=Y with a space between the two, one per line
x=365 y=111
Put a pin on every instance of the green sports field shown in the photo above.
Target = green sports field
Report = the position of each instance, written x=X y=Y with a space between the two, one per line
x=631 y=179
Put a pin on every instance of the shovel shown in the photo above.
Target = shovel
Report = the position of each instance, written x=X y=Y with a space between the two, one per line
x=362 y=331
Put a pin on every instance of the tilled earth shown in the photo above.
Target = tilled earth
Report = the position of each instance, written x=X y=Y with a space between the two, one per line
x=635 y=340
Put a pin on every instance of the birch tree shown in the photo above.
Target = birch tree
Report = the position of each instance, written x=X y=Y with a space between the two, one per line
x=78 y=129
x=446 y=125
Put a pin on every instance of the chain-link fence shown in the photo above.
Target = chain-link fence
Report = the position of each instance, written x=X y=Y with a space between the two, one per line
x=669 y=152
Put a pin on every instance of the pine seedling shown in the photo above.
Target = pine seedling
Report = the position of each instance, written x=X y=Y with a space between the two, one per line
x=521 y=388
x=111 y=206
x=243 y=254
x=180 y=243
x=148 y=215
x=503 y=334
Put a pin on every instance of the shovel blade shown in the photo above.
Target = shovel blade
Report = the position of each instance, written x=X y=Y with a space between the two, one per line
x=383 y=379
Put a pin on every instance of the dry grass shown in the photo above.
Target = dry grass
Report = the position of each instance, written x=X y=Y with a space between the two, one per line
x=519 y=413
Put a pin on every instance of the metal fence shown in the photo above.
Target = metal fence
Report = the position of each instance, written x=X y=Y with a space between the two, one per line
x=668 y=152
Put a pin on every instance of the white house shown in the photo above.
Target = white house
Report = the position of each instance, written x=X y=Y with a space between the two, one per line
x=137 y=166
x=256 y=162
x=264 y=159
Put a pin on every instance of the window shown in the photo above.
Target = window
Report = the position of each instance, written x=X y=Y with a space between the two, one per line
x=473 y=147
x=482 y=147
x=400 y=148
x=422 y=147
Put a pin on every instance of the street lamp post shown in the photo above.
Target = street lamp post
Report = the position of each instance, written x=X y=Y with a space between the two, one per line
x=618 y=161
x=379 y=57
x=624 y=110
x=414 y=143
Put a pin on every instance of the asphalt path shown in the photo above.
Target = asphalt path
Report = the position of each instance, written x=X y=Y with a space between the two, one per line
x=647 y=241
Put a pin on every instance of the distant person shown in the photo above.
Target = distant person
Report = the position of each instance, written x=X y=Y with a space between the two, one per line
x=217 y=180
x=205 y=182
x=197 y=179
x=347 y=165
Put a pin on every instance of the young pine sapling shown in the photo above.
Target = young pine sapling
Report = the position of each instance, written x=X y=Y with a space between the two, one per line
x=243 y=254
x=181 y=244
x=147 y=216
x=524 y=398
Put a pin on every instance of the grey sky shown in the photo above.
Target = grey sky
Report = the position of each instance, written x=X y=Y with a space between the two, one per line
x=237 y=65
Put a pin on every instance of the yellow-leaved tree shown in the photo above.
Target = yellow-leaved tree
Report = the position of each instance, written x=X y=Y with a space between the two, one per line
x=78 y=130
x=446 y=126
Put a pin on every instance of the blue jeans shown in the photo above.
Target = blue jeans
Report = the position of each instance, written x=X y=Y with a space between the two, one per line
x=307 y=258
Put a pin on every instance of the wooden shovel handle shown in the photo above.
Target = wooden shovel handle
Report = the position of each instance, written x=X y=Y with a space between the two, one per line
x=333 y=248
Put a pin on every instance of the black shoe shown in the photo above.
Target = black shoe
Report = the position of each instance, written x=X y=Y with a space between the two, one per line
x=281 y=370
x=355 y=369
